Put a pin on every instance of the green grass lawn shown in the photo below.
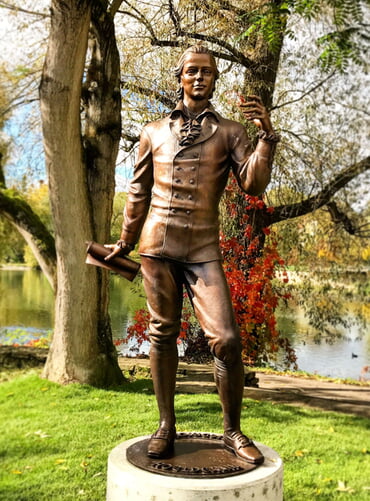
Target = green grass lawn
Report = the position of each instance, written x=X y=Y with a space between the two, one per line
x=55 y=440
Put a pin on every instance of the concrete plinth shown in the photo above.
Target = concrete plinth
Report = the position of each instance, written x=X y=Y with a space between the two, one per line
x=127 y=482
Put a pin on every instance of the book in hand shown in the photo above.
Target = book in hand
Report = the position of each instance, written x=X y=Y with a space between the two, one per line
x=123 y=265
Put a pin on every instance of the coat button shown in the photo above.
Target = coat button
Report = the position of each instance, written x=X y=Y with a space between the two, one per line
x=186 y=226
x=190 y=197
x=178 y=181
x=191 y=181
x=173 y=211
x=188 y=212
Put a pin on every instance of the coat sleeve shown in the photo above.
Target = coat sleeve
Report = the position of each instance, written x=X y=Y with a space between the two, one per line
x=139 y=195
x=252 y=169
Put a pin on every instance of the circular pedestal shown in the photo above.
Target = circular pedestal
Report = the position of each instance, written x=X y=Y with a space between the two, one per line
x=128 y=482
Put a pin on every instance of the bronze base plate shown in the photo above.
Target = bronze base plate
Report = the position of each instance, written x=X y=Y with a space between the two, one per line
x=196 y=455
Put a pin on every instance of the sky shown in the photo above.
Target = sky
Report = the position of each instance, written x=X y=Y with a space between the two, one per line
x=20 y=41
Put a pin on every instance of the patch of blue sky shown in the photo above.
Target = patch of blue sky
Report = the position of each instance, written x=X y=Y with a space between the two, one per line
x=26 y=160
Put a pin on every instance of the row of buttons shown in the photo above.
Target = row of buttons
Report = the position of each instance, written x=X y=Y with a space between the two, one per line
x=178 y=181
x=191 y=181
x=177 y=195
x=174 y=211
x=193 y=168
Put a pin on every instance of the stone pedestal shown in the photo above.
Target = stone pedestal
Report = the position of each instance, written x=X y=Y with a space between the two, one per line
x=127 y=482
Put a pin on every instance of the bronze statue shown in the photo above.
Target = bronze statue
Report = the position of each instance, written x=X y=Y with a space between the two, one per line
x=181 y=171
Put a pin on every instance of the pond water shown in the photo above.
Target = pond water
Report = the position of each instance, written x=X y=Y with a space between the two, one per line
x=27 y=305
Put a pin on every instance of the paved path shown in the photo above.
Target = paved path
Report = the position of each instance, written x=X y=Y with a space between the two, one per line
x=318 y=394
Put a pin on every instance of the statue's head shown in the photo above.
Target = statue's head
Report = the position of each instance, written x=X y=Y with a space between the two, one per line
x=194 y=49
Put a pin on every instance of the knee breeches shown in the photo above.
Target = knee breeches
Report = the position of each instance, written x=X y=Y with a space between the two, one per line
x=209 y=294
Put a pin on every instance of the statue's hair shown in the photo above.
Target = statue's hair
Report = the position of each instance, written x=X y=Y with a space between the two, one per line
x=195 y=49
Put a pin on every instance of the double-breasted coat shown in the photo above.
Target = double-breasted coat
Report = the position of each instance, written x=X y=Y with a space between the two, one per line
x=175 y=192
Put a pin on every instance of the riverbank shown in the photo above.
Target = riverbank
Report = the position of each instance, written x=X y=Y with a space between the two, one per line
x=27 y=313
x=300 y=391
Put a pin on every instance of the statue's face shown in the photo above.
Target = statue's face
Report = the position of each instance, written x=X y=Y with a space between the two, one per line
x=198 y=76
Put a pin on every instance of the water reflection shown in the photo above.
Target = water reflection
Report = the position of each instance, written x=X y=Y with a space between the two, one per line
x=343 y=356
x=26 y=300
x=27 y=303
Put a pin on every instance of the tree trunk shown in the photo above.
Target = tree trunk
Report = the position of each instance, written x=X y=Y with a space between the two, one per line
x=27 y=222
x=259 y=79
x=33 y=230
x=81 y=350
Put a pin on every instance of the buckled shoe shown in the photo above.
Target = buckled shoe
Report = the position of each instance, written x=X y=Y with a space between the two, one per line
x=243 y=447
x=161 y=443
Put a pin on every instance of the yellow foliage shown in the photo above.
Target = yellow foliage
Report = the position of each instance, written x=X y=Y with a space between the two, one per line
x=365 y=254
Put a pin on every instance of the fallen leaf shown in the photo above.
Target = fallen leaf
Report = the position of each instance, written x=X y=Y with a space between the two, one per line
x=16 y=472
x=60 y=461
x=41 y=434
x=343 y=488
x=84 y=464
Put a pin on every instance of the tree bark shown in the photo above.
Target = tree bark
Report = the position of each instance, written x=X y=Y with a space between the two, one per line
x=81 y=348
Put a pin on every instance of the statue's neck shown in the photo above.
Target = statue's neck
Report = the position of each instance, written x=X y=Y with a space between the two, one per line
x=194 y=108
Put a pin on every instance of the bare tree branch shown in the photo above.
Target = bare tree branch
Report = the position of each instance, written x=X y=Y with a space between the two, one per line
x=139 y=17
x=113 y=9
x=18 y=104
x=290 y=211
x=145 y=91
x=21 y=215
x=6 y=5
x=234 y=55
x=339 y=217
x=305 y=93
x=228 y=6
x=174 y=15
x=131 y=138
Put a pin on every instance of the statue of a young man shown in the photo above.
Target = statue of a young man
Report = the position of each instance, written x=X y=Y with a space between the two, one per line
x=181 y=172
